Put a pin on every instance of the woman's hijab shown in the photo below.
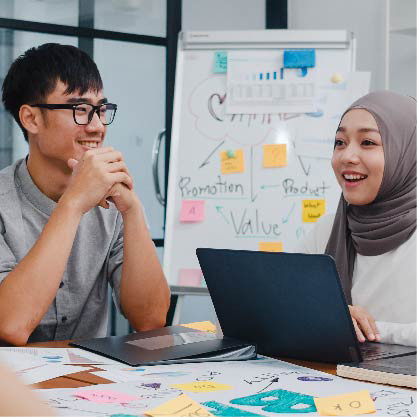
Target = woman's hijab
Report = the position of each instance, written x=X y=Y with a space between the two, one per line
x=390 y=220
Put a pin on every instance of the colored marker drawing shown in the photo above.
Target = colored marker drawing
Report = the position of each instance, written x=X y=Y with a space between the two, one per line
x=314 y=378
x=222 y=410
x=279 y=401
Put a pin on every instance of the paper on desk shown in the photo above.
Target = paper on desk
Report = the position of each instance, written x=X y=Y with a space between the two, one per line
x=46 y=372
x=34 y=369
x=255 y=385
x=71 y=356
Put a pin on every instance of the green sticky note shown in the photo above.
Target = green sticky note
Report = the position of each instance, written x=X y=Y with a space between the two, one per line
x=220 y=62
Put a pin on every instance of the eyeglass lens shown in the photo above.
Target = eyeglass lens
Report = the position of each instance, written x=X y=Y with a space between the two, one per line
x=83 y=113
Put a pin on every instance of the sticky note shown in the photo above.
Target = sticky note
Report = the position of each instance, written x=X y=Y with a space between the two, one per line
x=351 y=404
x=275 y=155
x=102 y=396
x=204 y=326
x=300 y=58
x=192 y=211
x=270 y=246
x=232 y=164
x=183 y=405
x=190 y=277
x=220 y=62
x=312 y=210
x=202 y=386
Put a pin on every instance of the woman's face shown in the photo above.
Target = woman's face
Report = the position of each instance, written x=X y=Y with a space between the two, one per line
x=358 y=157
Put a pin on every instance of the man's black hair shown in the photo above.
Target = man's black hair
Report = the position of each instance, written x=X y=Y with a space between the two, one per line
x=33 y=76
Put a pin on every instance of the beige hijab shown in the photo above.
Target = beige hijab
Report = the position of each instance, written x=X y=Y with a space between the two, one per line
x=387 y=222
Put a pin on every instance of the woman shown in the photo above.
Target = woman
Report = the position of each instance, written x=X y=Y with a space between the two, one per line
x=372 y=236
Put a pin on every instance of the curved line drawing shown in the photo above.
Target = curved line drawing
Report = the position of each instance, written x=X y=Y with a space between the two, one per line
x=210 y=105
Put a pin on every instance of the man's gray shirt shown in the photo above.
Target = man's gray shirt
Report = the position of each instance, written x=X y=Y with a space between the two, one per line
x=80 y=308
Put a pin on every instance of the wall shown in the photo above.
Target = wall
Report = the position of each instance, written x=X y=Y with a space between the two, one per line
x=366 y=19
x=223 y=14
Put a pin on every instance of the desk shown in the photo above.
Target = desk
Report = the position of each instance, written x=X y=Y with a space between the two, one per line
x=83 y=379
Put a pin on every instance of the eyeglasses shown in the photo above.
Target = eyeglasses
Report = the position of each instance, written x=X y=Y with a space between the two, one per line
x=83 y=112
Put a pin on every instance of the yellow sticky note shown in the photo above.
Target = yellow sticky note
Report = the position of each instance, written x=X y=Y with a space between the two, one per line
x=312 y=210
x=232 y=164
x=202 y=386
x=183 y=405
x=351 y=404
x=204 y=326
x=270 y=246
x=275 y=155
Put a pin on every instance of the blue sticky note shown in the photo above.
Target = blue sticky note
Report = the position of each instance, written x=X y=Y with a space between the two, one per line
x=299 y=58
x=220 y=62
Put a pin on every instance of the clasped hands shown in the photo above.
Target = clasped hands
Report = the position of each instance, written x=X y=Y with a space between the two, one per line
x=101 y=175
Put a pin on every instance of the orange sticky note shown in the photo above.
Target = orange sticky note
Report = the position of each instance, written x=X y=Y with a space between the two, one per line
x=232 y=162
x=312 y=210
x=275 y=155
x=190 y=277
x=351 y=404
x=204 y=326
x=270 y=246
x=183 y=405
x=192 y=211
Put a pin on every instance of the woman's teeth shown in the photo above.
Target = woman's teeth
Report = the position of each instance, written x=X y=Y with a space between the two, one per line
x=89 y=144
x=354 y=177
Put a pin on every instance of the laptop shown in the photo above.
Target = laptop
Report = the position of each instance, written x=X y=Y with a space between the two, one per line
x=291 y=305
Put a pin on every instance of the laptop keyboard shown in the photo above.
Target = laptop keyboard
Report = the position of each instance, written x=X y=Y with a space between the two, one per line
x=371 y=351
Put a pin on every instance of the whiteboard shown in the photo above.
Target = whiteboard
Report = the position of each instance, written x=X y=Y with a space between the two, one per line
x=257 y=205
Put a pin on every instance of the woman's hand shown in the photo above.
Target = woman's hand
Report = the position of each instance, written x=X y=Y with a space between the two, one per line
x=364 y=324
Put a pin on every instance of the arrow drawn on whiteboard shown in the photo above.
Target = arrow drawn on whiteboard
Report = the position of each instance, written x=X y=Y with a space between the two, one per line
x=206 y=161
x=219 y=210
x=286 y=218
x=252 y=196
x=306 y=170
x=263 y=187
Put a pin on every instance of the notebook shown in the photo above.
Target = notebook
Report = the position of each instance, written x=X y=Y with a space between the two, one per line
x=290 y=305
x=399 y=371
x=173 y=344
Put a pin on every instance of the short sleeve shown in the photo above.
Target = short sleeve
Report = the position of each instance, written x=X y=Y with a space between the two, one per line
x=7 y=258
x=115 y=261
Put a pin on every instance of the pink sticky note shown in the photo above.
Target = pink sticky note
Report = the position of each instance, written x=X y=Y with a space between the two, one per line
x=190 y=277
x=101 y=396
x=192 y=211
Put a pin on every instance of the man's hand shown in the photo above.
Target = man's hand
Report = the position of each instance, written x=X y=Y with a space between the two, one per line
x=123 y=198
x=364 y=324
x=94 y=176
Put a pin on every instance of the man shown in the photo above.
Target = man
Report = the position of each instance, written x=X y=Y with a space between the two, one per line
x=70 y=221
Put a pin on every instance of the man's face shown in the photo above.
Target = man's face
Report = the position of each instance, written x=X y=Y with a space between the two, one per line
x=59 y=137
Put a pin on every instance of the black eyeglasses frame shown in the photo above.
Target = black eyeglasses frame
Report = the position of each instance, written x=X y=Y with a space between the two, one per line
x=95 y=109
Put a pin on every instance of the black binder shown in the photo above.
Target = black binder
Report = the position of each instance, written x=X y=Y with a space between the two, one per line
x=173 y=344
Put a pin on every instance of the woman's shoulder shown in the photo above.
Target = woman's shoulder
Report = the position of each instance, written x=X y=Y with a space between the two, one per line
x=316 y=240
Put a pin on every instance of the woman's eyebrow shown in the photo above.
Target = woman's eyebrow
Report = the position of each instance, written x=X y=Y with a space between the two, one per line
x=361 y=130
